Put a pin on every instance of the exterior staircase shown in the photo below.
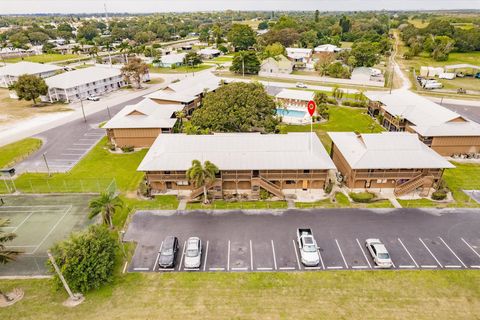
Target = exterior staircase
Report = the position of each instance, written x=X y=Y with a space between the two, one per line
x=199 y=191
x=413 y=184
x=267 y=185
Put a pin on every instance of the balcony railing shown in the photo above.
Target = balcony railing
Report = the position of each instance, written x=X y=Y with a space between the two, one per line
x=392 y=175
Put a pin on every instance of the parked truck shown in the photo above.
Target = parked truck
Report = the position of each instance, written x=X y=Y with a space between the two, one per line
x=308 y=247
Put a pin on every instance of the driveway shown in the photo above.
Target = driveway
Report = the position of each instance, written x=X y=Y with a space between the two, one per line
x=239 y=241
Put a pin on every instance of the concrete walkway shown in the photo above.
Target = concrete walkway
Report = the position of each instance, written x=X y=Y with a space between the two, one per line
x=395 y=202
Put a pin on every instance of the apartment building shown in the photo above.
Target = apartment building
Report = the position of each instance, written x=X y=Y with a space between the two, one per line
x=387 y=160
x=294 y=98
x=445 y=131
x=82 y=83
x=247 y=162
x=10 y=73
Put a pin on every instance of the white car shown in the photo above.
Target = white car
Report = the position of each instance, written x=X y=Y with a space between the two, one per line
x=93 y=98
x=300 y=85
x=379 y=253
x=193 y=253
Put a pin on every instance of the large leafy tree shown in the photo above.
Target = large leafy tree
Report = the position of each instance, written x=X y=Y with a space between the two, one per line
x=365 y=53
x=134 y=70
x=30 y=87
x=287 y=37
x=245 y=62
x=237 y=107
x=86 y=259
x=273 y=50
x=107 y=205
x=241 y=36
x=202 y=175
x=192 y=59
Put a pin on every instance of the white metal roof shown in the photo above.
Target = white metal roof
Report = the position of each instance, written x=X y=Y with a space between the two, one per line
x=303 y=51
x=418 y=110
x=237 y=151
x=462 y=66
x=208 y=51
x=195 y=85
x=459 y=129
x=387 y=150
x=170 y=96
x=295 y=94
x=173 y=58
x=25 y=67
x=80 y=77
x=147 y=114
x=327 y=48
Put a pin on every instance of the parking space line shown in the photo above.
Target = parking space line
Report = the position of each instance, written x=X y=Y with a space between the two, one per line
x=428 y=266
x=364 y=255
x=286 y=268
x=446 y=245
x=478 y=255
x=452 y=266
x=335 y=267
x=205 y=260
x=228 y=256
x=239 y=268
x=406 y=267
x=430 y=252
x=125 y=267
x=167 y=269
x=216 y=269
x=183 y=253
x=141 y=269
x=251 y=256
x=191 y=269
x=359 y=267
x=404 y=247
x=264 y=268
x=475 y=267
x=82 y=144
x=158 y=257
x=341 y=253
x=321 y=259
x=313 y=268
x=296 y=255
x=274 y=258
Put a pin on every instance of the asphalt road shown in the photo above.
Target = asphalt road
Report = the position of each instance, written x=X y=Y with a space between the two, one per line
x=238 y=241
x=472 y=113
x=65 y=145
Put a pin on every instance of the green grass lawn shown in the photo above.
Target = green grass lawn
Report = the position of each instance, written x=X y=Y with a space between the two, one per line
x=43 y=58
x=424 y=294
x=341 y=119
x=98 y=165
x=223 y=205
x=181 y=69
x=13 y=153
x=341 y=201
x=167 y=202
x=223 y=59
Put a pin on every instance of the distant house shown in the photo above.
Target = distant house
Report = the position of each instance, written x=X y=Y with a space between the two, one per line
x=10 y=73
x=80 y=84
x=186 y=47
x=209 y=53
x=294 y=98
x=140 y=124
x=278 y=65
x=366 y=74
x=299 y=56
x=248 y=162
x=173 y=59
x=394 y=160
x=445 y=131
x=327 y=48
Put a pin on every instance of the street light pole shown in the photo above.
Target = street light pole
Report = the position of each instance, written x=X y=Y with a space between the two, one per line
x=83 y=111
x=46 y=163
x=108 y=111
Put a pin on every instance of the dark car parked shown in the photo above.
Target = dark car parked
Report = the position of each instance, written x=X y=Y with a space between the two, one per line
x=168 y=253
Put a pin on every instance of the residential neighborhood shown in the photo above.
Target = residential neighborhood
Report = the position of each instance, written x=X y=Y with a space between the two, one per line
x=233 y=160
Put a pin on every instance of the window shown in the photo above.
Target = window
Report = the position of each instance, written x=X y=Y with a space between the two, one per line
x=182 y=183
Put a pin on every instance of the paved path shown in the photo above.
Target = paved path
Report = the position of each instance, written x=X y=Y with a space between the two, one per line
x=266 y=241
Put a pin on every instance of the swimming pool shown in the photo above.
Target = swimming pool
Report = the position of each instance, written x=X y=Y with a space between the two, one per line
x=291 y=113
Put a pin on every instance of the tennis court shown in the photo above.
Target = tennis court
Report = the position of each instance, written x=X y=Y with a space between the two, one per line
x=39 y=221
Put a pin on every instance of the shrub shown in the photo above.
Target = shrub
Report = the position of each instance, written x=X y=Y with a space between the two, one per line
x=264 y=194
x=332 y=101
x=86 y=259
x=355 y=104
x=127 y=149
x=328 y=187
x=362 y=197
x=439 y=195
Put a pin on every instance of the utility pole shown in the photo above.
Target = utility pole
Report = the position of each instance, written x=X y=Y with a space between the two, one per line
x=108 y=111
x=83 y=111
x=74 y=297
x=46 y=163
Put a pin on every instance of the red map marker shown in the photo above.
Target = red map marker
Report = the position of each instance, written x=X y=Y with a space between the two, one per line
x=311 y=107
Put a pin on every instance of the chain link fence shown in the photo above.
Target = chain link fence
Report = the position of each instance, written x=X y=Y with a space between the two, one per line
x=54 y=185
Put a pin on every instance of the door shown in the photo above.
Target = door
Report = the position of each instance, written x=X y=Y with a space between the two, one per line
x=305 y=185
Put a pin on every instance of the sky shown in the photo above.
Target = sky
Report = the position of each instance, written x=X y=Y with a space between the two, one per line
x=147 y=6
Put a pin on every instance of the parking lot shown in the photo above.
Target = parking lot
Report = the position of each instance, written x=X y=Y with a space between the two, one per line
x=239 y=242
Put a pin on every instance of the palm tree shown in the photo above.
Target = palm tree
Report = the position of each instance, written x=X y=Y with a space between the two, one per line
x=202 y=175
x=106 y=205
x=124 y=47
x=6 y=255
x=180 y=115
x=76 y=49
